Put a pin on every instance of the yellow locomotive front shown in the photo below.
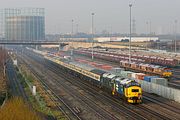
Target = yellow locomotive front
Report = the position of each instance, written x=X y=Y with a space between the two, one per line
x=167 y=72
x=133 y=93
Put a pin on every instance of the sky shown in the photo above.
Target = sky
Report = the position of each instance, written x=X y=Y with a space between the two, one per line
x=110 y=15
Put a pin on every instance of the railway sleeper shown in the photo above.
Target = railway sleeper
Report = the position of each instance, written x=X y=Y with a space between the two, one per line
x=76 y=109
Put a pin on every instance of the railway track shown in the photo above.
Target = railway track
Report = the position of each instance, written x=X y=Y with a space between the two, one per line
x=68 y=112
x=15 y=85
x=175 y=81
x=164 y=104
x=174 y=85
x=120 y=110
x=101 y=112
x=160 y=116
x=104 y=114
x=96 y=96
x=146 y=110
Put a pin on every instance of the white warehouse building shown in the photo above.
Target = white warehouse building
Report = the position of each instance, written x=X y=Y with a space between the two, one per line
x=133 y=39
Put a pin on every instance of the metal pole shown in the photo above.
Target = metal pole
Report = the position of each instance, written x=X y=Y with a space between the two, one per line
x=175 y=45
x=77 y=30
x=72 y=38
x=92 y=36
x=150 y=33
x=147 y=36
x=130 y=5
x=72 y=28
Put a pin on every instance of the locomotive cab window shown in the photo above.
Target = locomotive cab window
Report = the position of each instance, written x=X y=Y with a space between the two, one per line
x=168 y=70
x=135 y=90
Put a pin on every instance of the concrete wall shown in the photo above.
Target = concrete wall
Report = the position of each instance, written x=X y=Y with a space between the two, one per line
x=166 y=92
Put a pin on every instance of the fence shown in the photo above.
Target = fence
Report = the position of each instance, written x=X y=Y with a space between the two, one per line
x=166 y=92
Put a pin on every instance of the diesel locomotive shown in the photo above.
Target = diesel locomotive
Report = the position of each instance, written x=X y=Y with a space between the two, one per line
x=128 y=89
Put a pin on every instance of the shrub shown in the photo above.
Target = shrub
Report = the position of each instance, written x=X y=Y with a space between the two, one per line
x=17 y=109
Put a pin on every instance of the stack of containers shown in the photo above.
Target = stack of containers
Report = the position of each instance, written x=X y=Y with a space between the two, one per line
x=149 y=78
x=133 y=75
x=139 y=76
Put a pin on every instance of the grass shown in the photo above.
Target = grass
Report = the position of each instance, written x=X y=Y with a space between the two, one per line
x=16 y=109
x=38 y=102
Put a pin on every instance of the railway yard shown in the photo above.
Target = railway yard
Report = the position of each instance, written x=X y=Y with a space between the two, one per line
x=65 y=92
x=80 y=99
x=89 y=60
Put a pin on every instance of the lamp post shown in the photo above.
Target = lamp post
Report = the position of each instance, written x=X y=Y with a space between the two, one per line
x=130 y=6
x=72 y=27
x=150 y=33
x=77 y=28
x=72 y=37
x=175 y=45
x=92 y=36
x=147 y=35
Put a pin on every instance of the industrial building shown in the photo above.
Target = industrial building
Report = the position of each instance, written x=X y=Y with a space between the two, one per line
x=133 y=39
x=27 y=24
x=114 y=39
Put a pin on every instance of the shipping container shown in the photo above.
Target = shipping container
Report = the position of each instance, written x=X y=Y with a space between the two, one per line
x=133 y=75
x=140 y=76
x=148 y=78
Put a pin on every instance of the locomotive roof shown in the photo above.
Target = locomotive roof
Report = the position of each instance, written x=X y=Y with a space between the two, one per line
x=123 y=81
x=97 y=71
x=110 y=76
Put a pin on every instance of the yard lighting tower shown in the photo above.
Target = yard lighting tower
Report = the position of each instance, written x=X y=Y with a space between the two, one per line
x=77 y=28
x=72 y=37
x=130 y=6
x=72 y=27
x=92 y=14
x=175 y=44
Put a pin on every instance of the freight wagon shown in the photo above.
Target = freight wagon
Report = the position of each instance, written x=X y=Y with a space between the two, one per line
x=147 y=68
x=116 y=57
x=129 y=89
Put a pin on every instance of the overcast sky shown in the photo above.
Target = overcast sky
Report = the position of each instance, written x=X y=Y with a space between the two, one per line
x=111 y=15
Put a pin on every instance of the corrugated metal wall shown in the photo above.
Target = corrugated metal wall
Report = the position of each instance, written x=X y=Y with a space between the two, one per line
x=166 y=92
